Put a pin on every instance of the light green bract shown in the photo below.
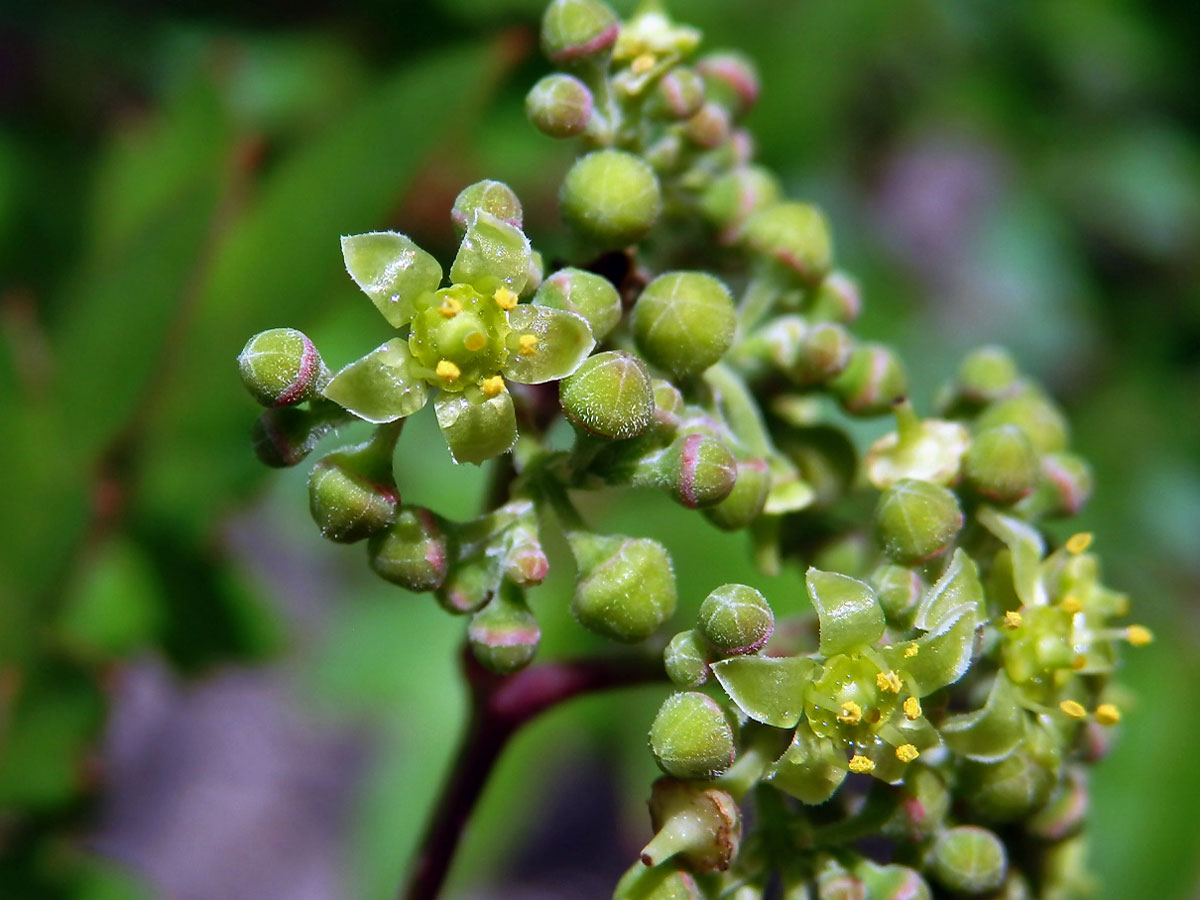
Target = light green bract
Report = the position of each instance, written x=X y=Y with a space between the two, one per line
x=467 y=340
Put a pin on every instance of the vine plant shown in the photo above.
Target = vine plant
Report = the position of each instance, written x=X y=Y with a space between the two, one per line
x=927 y=731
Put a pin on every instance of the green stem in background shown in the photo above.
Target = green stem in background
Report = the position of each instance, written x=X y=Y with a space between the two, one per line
x=757 y=300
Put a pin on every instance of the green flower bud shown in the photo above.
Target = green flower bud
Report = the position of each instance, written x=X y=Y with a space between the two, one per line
x=625 y=587
x=691 y=737
x=899 y=590
x=611 y=197
x=352 y=493
x=1065 y=485
x=281 y=367
x=924 y=803
x=1064 y=813
x=1033 y=413
x=610 y=396
x=1013 y=787
x=700 y=825
x=916 y=521
x=746 y=501
x=731 y=79
x=736 y=619
x=586 y=294
x=969 y=860
x=668 y=408
x=686 y=659
x=684 y=322
x=494 y=197
x=891 y=882
x=469 y=586
x=735 y=196
x=697 y=470
x=560 y=106
x=795 y=237
x=504 y=635
x=283 y=437
x=578 y=30
x=1001 y=464
x=678 y=95
x=709 y=127
x=872 y=382
x=986 y=374
x=835 y=882
x=836 y=300
x=658 y=883
x=411 y=552
x=924 y=449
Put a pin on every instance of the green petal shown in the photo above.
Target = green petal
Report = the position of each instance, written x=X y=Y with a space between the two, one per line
x=767 y=689
x=493 y=254
x=810 y=770
x=942 y=656
x=849 y=614
x=476 y=428
x=958 y=586
x=789 y=492
x=564 y=341
x=1025 y=544
x=379 y=387
x=991 y=733
x=391 y=270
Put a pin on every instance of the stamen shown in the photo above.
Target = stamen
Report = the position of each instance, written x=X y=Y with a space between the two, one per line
x=861 y=765
x=492 y=387
x=528 y=344
x=912 y=708
x=911 y=650
x=888 y=681
x=1072 y=604
x=1077 y=543
x=450 y=308
x=851 y=713
x=1138 y=635
x=1012 y=619
x=1108 y=714
x=1073 y=709
x=906 y=753
x=475 y=341
x=642 y=64
x=448 y=370
x=505 y=299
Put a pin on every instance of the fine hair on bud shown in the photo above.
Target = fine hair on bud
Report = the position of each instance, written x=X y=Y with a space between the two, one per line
x=611 y=197
x=736 y=619
x=609 y=396
x=281 y=367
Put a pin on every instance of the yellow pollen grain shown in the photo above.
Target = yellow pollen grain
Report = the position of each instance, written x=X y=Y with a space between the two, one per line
x=475 y=341
x=1108 y=714
x=1079 y=663
x=448 y=370
x=1138 y=635
x=1073 y=709
x=912 y=708
x=860 y=765
x=1012 y=619
x=1072 y=604
x=642 y=64
x=449 y=308
x=911 y=650
x=1077 y=543
x=906 y=753
x=851 y=713
x=527 y=344
x=492 y=387
x=888 y=681
x=505 y=299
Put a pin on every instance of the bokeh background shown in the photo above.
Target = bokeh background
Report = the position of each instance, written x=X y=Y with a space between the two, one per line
x=199 y=699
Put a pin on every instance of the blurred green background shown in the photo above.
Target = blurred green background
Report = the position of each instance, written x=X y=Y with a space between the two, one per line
x=199 y=699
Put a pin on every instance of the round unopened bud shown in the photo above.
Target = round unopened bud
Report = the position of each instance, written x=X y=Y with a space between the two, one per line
x=736 y=619
x=586 y=294
x=1009 y=789
x=609 y=395
x=559 y=105
x=504 y=635
x=1065 y=486
x=1032 y=412
x=494 y=197
x=411 y=552
x=611 y=197
x=916 y=521
x=281 y=367
x=678 y=95
x=686 y=659
x=968 y=859
x=346 y=501
x=746 y=501
x=822 y=352
x=986 y=374
x=872 y=382
x=836 y=300
x=691 y=737
x=732 y=81
x=701 y=825
x=284 y=436
x=795 y=236
x=899 y=591
x=625 y=588
x=684 y=322
x=735 y=196
x=469 y=586
x=1064 y=813
x=698 y=470
x=577 y=30
x=668 y=408
x=658 y=883
x=1001 y=464
x=709 y=127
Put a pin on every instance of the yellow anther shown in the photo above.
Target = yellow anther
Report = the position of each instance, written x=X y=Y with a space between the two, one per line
x=1073 y=709
x=911 y=650
x=528 y=344
x=851 y=713
x=1012 y=619
x=505 y=299
x=1079 y=663
x=888 y=681
x=642 y=64
x=1077 y=543
x=1072 y=604
x=475 y=341
x=860 y=765
x=1138 y=635
x=492 y=387
x=448 y=370
x=912 y=708
x=906 y=753
x=1108 y=714
x=450 y=308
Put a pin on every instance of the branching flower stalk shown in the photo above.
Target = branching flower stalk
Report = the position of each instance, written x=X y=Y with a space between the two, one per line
x=928 y=729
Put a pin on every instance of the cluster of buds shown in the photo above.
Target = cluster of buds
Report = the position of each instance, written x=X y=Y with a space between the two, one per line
x=931 y=722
